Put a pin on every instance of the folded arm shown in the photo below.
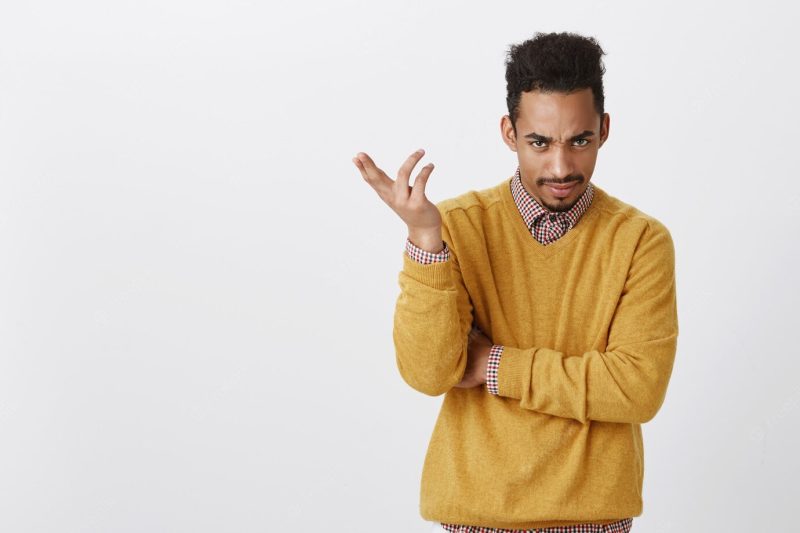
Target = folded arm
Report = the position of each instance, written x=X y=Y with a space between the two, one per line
x=628 y=381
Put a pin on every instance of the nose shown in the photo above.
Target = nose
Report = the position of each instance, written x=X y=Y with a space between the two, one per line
x=561 y=164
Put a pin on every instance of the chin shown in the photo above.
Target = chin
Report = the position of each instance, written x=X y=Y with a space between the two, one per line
x=554 y=203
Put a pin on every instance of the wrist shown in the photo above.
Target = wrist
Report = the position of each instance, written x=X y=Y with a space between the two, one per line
x=428 y=240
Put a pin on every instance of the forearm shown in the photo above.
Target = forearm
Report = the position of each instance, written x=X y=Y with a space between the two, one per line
x=624 y=385
x=433 y=316
x=431 y=324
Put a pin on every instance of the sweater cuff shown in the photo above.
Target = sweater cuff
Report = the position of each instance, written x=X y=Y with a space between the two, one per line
x=435 y=275
x=514 y=371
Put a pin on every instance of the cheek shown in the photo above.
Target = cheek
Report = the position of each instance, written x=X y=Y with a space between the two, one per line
x=530 y=160
x=587 y=161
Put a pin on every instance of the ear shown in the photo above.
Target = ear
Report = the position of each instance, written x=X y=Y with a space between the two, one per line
x=605 y=124
x=507 y=133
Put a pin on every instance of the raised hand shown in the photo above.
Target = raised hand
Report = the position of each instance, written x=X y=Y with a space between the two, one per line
x=410 y=203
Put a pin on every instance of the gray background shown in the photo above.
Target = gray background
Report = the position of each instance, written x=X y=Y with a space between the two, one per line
x=197 y=286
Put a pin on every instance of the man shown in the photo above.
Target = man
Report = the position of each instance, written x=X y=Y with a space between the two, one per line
x=543 y=308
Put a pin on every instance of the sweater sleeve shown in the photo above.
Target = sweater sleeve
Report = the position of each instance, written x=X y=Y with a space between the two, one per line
x=628 y=381
x=432 y=320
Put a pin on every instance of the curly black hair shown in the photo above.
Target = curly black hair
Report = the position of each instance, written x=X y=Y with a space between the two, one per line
x=554 y=62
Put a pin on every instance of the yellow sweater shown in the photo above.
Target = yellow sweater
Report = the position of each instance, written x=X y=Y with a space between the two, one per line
x=590 y=327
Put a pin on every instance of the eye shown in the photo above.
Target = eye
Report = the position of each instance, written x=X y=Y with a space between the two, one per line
x=533 y=143
x=582 y=140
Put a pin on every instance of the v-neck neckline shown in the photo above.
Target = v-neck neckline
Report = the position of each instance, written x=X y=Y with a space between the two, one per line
x=539 y=249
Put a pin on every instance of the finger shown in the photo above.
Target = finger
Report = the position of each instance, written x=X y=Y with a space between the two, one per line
x=405 y=171
x=373 y=175
x=360 y=166
x=383 y=185
x=418 y=191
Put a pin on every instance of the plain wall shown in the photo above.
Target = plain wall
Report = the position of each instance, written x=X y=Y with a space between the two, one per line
x=197 y=286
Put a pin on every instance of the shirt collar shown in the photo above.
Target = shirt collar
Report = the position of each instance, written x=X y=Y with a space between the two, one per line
x=531 y=210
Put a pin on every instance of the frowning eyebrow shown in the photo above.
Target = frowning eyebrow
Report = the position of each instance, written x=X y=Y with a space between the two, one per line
x=543 y=138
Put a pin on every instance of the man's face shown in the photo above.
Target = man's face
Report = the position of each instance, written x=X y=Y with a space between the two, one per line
x=557 y=139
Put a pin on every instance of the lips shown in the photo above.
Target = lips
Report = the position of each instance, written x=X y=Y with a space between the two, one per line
x=561 y=191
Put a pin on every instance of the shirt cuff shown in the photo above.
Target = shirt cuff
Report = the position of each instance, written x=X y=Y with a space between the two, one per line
x=492 y=367
x=421 y=256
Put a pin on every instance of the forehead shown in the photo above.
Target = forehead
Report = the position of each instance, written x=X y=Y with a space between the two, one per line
x=557 y=112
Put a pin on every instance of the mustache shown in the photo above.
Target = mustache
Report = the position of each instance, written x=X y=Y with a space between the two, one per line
x=577 y=178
